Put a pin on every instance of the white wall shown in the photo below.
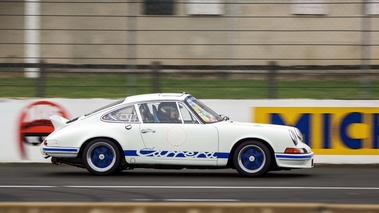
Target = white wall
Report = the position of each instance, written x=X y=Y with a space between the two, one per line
x=239 y=110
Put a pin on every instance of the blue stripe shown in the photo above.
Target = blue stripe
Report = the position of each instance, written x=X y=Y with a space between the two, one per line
x=222 y=155
x=291 y=156
x=60 y=150
x=130 y=153
x=176 y=154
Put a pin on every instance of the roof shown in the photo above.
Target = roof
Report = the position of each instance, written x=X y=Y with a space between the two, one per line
x=157 y=97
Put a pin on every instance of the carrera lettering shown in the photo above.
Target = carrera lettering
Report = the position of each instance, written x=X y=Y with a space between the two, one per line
x=175 y=154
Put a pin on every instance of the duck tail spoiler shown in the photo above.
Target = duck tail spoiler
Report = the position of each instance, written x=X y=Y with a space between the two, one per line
x=58 y=121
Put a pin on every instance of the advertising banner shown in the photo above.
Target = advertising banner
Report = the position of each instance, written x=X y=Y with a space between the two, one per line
x=25 y=123
x=329 y=130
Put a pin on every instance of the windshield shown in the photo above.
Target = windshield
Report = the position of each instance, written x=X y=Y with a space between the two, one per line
x=204 y=112
x=107 y=106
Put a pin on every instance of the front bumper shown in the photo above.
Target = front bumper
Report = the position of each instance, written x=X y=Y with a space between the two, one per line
x=295 y=161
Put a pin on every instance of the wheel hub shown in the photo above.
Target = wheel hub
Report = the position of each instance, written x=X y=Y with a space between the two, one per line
x=251 y=158
x=101 y=156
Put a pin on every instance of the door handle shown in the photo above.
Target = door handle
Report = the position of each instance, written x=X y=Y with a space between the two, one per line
x=143 y=131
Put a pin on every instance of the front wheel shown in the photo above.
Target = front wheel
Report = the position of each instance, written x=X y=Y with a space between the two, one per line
x=252 y=159
x=101 y=157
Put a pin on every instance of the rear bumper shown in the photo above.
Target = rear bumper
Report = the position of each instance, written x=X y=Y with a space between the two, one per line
x=62 y=152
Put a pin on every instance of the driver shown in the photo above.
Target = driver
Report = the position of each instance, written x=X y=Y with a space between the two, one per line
x=174 y=115
x=167 y=113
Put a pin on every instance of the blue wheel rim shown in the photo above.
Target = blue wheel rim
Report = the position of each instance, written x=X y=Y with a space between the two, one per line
x=251 y=158
x=101 y=156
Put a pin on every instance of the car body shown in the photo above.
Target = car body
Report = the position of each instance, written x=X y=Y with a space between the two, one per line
x=172 y=130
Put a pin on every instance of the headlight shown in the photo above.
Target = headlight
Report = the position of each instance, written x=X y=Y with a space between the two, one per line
x=293 y=137
x=299 y=135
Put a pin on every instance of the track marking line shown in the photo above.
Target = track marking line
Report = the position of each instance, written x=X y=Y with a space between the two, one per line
x=144 y=200
x=201 y=200
x=197 y=187
x=187 y=200
x=25 y=186
x=231 y=187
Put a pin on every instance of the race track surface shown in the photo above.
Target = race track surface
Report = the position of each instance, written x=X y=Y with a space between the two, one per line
x=333 y=184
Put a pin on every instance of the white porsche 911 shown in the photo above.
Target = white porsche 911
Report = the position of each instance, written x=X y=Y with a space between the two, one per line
x=172 y=131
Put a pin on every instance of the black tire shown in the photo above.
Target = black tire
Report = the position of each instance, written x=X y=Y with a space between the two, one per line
x=252 y=159
x=101 y=157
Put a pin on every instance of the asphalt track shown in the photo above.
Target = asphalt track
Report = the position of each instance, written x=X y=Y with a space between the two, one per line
x=331 y=184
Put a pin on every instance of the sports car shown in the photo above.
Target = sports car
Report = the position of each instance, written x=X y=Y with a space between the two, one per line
x=172 y=131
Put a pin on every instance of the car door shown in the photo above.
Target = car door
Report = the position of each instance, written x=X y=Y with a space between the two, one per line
x=122 y=124
x=183 y=141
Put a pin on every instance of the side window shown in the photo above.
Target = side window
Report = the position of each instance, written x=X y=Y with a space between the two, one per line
x=168 y=112
x=188 y=118
x=148 y=113
x=160 y=112
x=126 y=114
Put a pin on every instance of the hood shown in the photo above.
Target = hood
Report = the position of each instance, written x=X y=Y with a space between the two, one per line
x=257 y=125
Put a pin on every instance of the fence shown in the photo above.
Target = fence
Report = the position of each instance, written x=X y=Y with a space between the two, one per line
x=231 y=40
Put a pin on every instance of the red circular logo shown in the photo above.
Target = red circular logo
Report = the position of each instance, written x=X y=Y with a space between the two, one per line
x=35 y=125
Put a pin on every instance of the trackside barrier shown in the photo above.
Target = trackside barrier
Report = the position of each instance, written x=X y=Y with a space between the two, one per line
x=338 y=131
x=183 y=207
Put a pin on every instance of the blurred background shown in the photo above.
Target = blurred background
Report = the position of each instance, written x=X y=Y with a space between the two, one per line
x=243 y=49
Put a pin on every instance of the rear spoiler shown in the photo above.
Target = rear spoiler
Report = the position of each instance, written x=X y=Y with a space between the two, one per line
x=58 y=121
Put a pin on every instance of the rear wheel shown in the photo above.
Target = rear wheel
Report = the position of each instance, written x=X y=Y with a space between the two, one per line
x=101 y=157
x=252 y=159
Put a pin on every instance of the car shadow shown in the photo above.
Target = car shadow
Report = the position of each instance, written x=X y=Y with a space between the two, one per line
x=153 y=173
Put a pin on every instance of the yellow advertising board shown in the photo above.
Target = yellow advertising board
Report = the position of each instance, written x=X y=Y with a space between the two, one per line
x=329 y=130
